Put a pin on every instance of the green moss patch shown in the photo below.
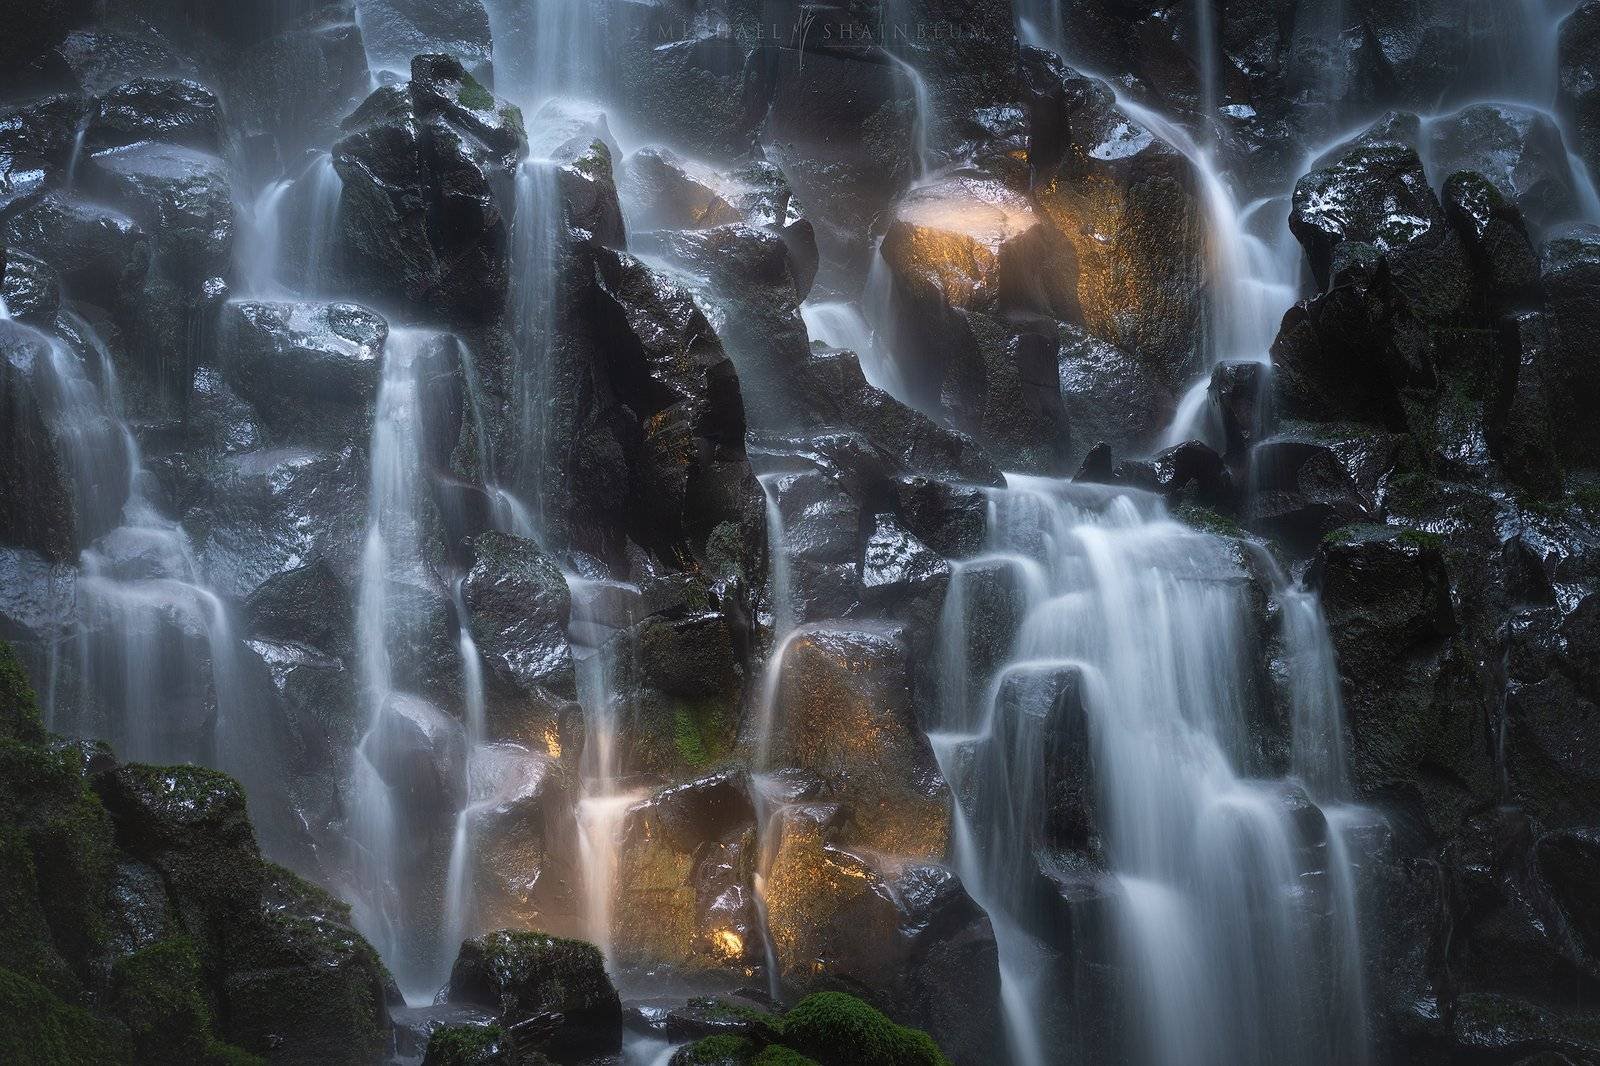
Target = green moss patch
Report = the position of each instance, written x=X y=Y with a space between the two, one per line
x=840 y=1030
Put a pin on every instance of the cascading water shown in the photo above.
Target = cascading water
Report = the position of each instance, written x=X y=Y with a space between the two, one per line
x=840 y=324
x=154 y=646
x=604 y=661
x=390 y=894
x=1135 y=662
x=536 y=245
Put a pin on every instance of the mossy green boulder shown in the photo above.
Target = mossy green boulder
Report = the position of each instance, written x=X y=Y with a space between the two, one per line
x=524 y=975
x=139 y=924
x=824 y=1029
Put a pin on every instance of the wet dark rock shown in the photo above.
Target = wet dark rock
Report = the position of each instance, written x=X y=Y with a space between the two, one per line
x=519 y=607
x=950 y=518
x=1239 y=393
x=844 y=712
x=37 y=508
x=308 y=605
x=957 y=248
x=99 y=58
x=684 y=868
x=181 y=196
x=143 y=887
x=690 y=657
x=1571 y=271
x=1128 y=204
x=303 y=986
x=1044 y=711
x=1518 y=150
x=426 y=168
x=31 y=288
x=36 y=141
x=526 y=975
x=1304 y=485
x=1110 y=396
x=190 y=824
x=1373 y=199
x=838 y=394
x=911 y=940
x=1173 y=470
x=1352 y=354
x=420 y=753
x=171 y=110
x=1386 y=594
x=668 y=196
x=704 y=93
x=310 y=370
x=1553 y=714
x=589 y=192
x=1580 y=78
x=839 y=126
x=100 y=254
x=295 y=86
x=667 y=363
x=1524 y=435
x=1496 y=235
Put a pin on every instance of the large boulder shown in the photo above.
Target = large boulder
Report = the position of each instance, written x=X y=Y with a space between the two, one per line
x=685 y=863
x=37 y=137
x=1386 y=593
x=961 y=247
x=427 y=168
x=311 y=371
x=171 y=110
x=526 y=975
x=1519 y=149
x=296 y=85
x=36 y=490
x=182 y=196
x=1372 y=200
x=841 y=708
x=1110 y=396
x=839 y=124
x=1128 y=204
x=101 y=254
x=302 y=985
x=519 y=606
x=393 y=31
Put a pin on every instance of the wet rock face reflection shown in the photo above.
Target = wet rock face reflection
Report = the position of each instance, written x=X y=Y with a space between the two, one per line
x=1074 y=521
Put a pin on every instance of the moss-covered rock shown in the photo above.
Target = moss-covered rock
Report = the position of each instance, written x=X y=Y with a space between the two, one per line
x=190 y=823
x=138 y=923
x=840 y=1030
x=475 y=1045
x=523 y=975
x=303 y=986
x=158 y=992
x=720 y=1050
x=40 y=1028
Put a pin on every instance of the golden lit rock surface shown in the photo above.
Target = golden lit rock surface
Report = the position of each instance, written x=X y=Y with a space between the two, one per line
x=844 y=713
x=978 y=245
x=684 y=867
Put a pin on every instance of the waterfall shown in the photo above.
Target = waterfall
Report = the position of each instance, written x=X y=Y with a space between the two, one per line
x=536 y=238
x=1135 y=657
x=389 y=893
x=841 y=324
x=321 y=205
x=605 y=678
x=921 y=113
x=260 y=252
